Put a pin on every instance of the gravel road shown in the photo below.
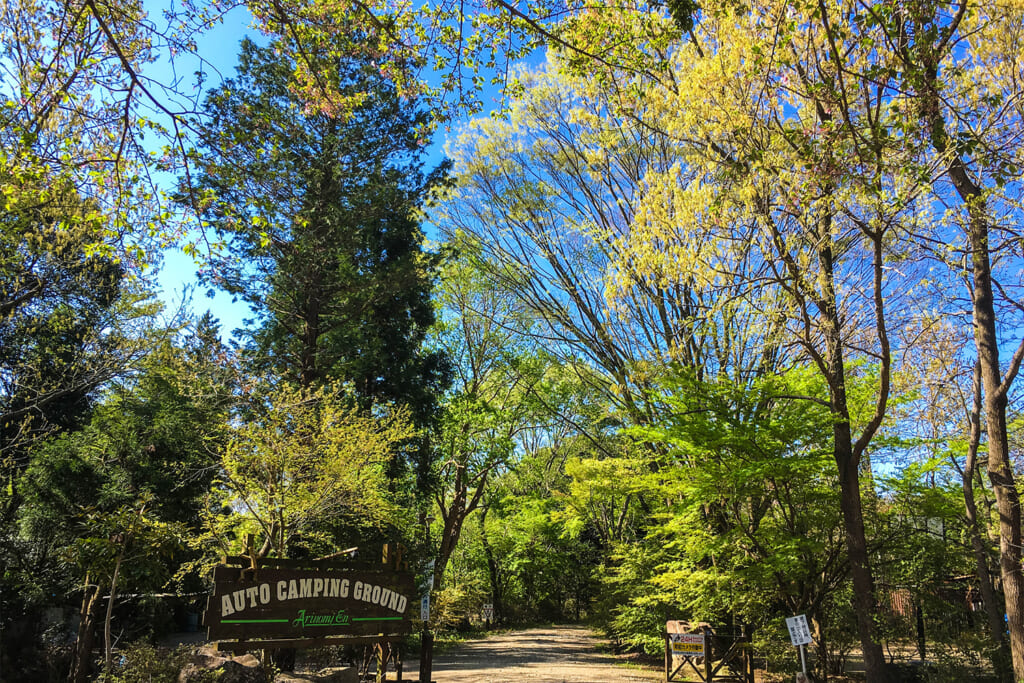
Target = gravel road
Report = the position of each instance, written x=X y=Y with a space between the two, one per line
x=555 y=654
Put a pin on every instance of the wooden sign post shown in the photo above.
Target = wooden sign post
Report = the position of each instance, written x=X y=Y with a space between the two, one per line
x=279 y=604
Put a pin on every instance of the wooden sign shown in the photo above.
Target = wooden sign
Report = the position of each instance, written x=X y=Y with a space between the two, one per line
x=308 y=603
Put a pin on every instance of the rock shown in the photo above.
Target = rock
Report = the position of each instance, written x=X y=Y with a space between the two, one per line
x=248 y=659
x=337 y=674
x=248 y=669
x=209 y=658
x=242 y=669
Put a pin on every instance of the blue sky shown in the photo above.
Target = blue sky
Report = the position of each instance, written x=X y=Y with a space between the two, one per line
x=218 y=48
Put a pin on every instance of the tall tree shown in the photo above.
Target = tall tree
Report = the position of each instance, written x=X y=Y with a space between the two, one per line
x=319 y=217
x=146 y=453
x=549 y=196
x=798 y=187
x=488 y=407
x=71 y=319
x=962 y=69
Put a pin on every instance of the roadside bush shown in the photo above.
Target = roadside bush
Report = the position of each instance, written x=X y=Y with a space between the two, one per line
x=454 y=604
x=141 y=662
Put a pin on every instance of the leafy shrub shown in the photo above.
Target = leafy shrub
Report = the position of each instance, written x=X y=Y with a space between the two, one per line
x=141 y=662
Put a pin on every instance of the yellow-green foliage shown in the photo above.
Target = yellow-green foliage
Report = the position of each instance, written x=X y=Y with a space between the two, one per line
x=304 y=458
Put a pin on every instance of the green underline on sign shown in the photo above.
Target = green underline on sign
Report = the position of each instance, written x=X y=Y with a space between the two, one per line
x=377 y=619
x=254 y=621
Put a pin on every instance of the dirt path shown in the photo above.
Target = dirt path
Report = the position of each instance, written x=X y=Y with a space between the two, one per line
x=555 y=654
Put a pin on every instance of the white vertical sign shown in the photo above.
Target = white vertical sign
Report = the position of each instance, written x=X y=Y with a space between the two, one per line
x=425 y=600
x=799 y=633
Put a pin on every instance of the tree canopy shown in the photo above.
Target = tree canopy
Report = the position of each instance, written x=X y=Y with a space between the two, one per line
x=720 y=323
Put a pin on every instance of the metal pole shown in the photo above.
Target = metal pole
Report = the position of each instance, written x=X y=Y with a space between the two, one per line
x=668 y=657
x=427 y=638
x=803 y=661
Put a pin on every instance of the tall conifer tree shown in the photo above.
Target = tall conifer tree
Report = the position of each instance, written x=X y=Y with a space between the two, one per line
x=319 y=213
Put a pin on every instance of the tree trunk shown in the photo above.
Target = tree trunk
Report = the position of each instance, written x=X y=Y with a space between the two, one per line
x=309 y=371
x=1000 y=472
x=986 y=342
x=492 y=570
x=821 y=643
x=108 y=645
x=465 y=501
x=864 y=604
x=1001 y=659
x=81 y=665
x=450 y=534
x=847 y=456
x=426 y=655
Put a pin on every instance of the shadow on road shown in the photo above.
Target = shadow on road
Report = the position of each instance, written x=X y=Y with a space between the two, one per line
x=557 y=654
